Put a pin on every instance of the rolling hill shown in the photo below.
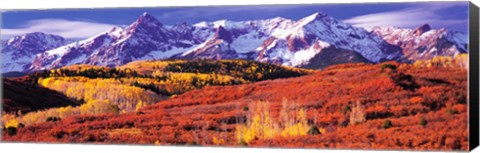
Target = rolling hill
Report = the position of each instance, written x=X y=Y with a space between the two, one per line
x=391 y=105
x=125 y=89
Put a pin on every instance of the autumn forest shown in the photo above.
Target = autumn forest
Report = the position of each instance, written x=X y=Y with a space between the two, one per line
x=241 y=103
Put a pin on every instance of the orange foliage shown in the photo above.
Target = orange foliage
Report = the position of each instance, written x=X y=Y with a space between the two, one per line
x=211 y=116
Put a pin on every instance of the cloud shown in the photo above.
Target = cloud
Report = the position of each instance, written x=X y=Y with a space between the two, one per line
x=226 y=11
x=410 y=17
x=65 y=28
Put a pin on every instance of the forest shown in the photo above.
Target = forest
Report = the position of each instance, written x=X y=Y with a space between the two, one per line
x=390 y=105
x=104 y=90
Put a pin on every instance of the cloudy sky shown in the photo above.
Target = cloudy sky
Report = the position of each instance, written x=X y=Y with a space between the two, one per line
x=83 y=23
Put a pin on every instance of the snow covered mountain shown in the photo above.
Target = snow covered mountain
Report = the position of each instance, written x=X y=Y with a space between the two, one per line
x=311 y=35
x=423 y=42
x=18 y=52
x=231 y=39
x=146 y=38
x=315 y=41
x=292 y=43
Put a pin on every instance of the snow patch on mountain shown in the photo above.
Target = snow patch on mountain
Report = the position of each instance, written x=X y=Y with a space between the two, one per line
x=423 y=42
x=248 y=42
x=297 y=44
x=18 y=52
x=15 y=63
x=303 y=57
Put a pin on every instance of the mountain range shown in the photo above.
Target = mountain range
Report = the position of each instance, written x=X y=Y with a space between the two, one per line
x=315 y=41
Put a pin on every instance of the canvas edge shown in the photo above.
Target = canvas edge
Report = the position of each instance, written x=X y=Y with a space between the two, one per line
x=473 y=76
x=473 y=80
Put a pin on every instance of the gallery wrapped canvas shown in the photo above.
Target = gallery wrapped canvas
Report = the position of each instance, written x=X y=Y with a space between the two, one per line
x=376 y=76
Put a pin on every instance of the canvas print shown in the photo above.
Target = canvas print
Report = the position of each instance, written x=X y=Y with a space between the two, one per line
x=383 y=76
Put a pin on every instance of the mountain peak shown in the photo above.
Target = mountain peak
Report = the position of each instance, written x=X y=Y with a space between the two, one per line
x=317 y=15
x=19 y=51
x=148 y=19
x=314 y=17
x=202 y=24
x=145 y=22
x=33 y=38
x=146 y=15
x=278 y=19
x=422 y=29
x=34 y=34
